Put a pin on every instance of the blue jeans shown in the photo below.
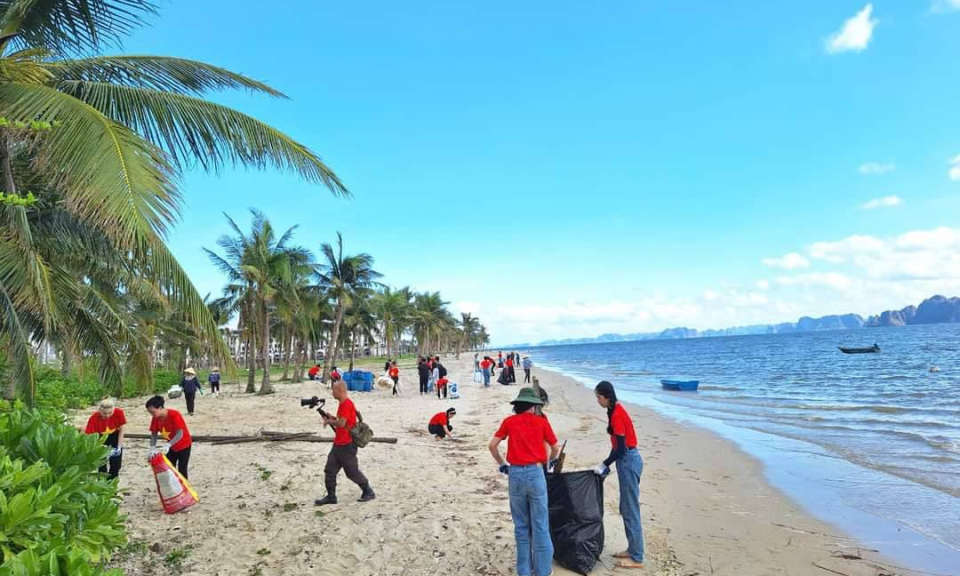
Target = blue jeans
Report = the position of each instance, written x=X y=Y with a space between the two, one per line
x=486 y=377
x=531 y=520
x=629 y=469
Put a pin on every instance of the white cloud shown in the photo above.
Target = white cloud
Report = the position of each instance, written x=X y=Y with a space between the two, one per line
x=855 y=34
x=885 y=202
x=916 y=255
x=871 y=168
x=954 y=171
x=945 y=5
x=834 y=280
x=791 y=261
x=763 y=284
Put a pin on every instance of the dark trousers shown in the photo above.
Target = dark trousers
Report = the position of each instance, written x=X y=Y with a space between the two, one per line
x=424 y=384
x=526 y=374
x=214 y=386
x=511 y=375
x=443 y=388
x=437 y=430
x=114 y=464
x=343 y=457
x=191 y=400
x=180 y=460
x=396 y=382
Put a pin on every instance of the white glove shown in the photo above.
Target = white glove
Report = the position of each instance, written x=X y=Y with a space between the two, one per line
x=601 y=469
x=114 y=452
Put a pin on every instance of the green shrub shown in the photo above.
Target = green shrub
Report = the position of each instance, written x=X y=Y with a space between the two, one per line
x=55 y=510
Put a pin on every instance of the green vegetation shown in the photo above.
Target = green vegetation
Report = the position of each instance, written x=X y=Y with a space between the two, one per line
x=176 y=557
x=263 y=552
x=57 y=516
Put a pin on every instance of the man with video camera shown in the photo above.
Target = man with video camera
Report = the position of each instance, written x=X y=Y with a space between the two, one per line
x=343 y=454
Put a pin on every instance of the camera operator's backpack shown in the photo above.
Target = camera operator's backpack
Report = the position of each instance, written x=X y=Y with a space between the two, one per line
x=361 y=434
x=443 y=370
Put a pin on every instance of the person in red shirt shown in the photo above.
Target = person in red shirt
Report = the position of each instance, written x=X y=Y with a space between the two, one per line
x=623 y=439
x=334 y=375
x=312 y=373
x=394 y=373
x=169 y=424
x=442 y=386
x=109 y=421
x=487 y=366
x=527 y=437
x=343 y=453
x=440 y=425
x=511 y=377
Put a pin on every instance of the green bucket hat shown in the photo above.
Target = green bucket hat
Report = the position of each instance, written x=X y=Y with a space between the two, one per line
x=528 y=395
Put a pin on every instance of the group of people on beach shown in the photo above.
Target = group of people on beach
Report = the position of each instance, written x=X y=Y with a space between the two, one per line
x=527 y=433
x=486 y=367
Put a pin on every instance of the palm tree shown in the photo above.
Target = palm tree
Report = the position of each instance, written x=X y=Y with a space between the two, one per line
x=430 y=317
x=104 y=140
x=360 y=319
x=393 y=308
x=263 y=264
x=469 y=326
x=342 y=276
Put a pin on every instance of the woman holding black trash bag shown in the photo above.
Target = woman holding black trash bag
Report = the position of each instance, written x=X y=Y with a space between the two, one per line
x=629 y=468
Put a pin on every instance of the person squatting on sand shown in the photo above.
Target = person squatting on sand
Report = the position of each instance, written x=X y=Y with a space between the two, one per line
x=343 y=453
x=169 y=424
x=440 y=425
x=108 y=421
x=629 y=468
x=527 y=435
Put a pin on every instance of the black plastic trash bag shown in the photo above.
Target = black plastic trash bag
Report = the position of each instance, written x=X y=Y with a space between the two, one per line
x=576 y=519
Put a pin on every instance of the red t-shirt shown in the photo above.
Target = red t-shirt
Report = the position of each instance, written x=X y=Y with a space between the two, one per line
x=313 y=371
x=167 y=428
x=348 y=412
x=442 y=382
x=622 y=426
x=486 y=364
x=335 y=376
x=394 y=372
x=509 y=362
x=526 y=435
x=440 y=419
x=109 y=427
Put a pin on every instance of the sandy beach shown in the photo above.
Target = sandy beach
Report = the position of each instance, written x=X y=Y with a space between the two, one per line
x=442 y=506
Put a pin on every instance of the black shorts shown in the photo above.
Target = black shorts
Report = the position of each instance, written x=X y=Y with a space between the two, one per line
x=437 y=430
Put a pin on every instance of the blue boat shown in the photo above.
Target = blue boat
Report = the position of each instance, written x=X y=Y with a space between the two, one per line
x=680 y=385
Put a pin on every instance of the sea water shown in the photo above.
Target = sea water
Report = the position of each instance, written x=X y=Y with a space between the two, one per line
x=870 y=442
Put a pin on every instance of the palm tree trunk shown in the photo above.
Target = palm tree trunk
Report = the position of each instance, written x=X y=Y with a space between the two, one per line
x=331 y=354
x=288 y=344
x=66 y=359
x=353 y=347
x=265 y=386
x=9 y=185
x=251 y=362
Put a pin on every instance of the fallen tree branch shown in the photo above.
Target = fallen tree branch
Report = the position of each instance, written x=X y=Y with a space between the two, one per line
x=829 y=570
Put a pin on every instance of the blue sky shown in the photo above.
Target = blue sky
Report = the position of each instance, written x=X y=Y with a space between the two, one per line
x=568 y=169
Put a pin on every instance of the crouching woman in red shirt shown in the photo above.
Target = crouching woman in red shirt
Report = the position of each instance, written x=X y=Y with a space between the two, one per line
x=169 y=424
x=527 y=436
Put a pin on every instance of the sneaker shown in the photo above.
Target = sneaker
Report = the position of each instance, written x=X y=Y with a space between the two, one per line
x=325 y=500
x=367 y=496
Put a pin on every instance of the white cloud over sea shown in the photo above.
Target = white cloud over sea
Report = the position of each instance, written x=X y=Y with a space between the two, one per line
x=873 y=168
x=855 y=34
x=864 y=274
x=885 y=202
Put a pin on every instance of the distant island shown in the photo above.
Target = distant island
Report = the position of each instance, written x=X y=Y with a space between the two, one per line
x=935 y=310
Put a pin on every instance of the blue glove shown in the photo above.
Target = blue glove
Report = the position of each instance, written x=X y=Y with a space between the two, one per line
x=504 y=468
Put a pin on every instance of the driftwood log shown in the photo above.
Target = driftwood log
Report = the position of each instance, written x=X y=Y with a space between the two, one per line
x=264 y=437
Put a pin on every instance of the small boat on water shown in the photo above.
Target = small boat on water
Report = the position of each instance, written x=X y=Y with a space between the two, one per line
x=680 y=385
x=871 y=350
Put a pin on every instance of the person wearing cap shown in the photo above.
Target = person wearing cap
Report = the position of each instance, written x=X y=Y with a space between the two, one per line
x=527 y=437
x=190 y=385
x=109 y=421
x=527 y=366
x=440 y=425
x=214 y=380
x=623 y=439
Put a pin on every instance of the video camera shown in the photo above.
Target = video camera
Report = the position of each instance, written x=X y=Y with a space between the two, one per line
x=315 y=402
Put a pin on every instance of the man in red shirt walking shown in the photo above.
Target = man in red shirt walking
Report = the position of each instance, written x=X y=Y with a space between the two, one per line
x=343 y=454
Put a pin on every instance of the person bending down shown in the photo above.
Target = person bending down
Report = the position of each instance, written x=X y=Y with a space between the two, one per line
x=440 y=425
